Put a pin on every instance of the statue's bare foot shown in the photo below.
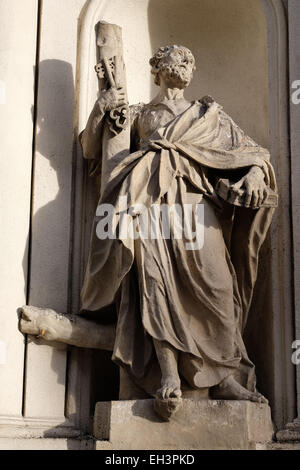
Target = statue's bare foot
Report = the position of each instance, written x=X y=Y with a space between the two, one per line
x=230 y=389
x=166 y=408
x=170 y=388
x=168 y=398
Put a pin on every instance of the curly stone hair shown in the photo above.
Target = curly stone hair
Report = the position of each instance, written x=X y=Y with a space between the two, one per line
x=157 y=61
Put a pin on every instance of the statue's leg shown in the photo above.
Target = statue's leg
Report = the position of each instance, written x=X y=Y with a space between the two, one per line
x=65 y=328
x=168 y=360
x=168 y=397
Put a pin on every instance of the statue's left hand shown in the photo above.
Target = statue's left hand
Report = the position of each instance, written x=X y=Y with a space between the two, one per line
x=256 y=190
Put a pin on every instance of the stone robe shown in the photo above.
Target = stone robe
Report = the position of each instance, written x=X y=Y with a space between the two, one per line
x=196 y=300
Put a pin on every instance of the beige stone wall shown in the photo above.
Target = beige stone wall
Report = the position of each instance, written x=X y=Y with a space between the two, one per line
x=18 y=22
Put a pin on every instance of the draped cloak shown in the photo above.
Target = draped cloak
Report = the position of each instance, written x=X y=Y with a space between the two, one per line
x=198 y=300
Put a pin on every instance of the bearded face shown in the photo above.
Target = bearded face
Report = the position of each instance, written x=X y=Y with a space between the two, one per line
x=175 y=64
x=178 y=75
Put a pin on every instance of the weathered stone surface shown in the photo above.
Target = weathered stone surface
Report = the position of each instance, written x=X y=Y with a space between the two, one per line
x=203 y=424
x=46 y=444
x=71 y=329
x=281 y=446
x=288 y=435
x=130 y=391
x=24 y=428
x=291 y=432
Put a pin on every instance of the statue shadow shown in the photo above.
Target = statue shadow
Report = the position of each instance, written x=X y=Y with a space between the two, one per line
x=46 y=256
x=52 y=172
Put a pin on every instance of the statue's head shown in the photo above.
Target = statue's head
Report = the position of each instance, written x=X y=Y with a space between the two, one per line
x=175 y=63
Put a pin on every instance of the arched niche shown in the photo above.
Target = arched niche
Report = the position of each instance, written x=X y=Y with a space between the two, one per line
x=241 y=53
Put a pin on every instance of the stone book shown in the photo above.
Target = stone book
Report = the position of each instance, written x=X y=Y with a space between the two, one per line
x=237 y=197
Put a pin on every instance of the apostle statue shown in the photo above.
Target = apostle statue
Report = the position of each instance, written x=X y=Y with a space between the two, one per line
x=181 y=305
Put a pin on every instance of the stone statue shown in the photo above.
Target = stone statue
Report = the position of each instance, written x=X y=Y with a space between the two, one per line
x=180 y=309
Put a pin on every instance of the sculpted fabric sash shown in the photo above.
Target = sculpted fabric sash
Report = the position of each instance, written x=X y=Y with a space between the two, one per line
x=186 y=144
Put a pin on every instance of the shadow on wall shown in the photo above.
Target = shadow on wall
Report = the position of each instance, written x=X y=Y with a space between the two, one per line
x=53 y=141
x=51 y=224
x=52 y=170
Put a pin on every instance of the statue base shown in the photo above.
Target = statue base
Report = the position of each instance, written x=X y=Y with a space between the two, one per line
x=202 y=425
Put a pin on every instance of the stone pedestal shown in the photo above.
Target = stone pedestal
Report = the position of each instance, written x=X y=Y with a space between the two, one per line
x=202 y=424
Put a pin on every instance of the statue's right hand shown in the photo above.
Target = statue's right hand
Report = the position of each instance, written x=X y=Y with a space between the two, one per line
x=112 y=98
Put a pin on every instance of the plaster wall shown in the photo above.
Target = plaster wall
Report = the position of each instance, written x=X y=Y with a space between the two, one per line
x=18 y=29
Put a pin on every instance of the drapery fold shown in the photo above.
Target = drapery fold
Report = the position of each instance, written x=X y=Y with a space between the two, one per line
x=171 y=166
